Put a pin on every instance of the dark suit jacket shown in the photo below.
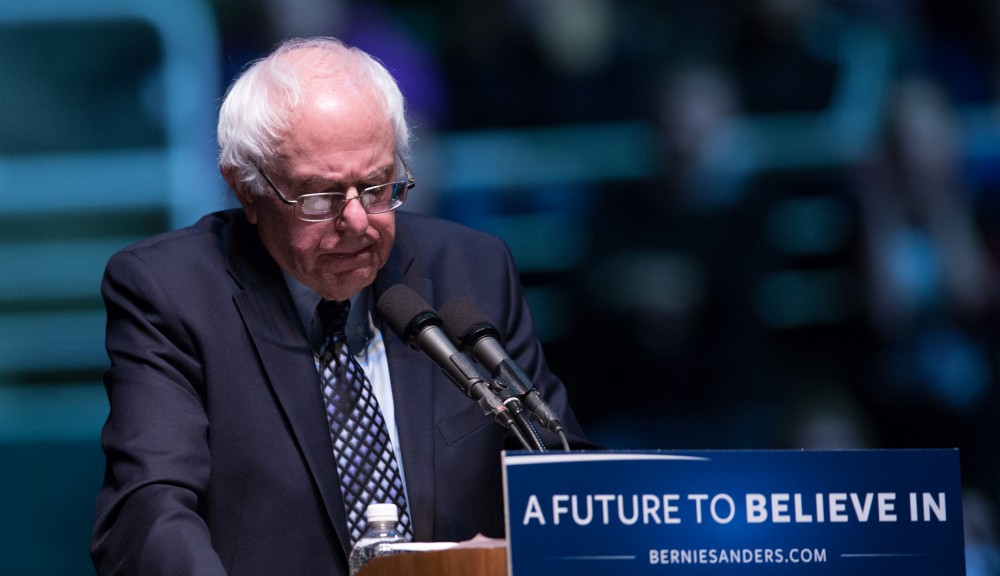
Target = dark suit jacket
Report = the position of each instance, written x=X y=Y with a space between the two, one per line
x=218 y=451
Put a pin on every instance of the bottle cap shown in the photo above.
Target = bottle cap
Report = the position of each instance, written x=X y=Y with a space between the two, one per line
x=382 y=512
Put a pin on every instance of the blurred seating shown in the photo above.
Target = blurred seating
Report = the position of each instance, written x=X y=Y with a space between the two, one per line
x=106 y=137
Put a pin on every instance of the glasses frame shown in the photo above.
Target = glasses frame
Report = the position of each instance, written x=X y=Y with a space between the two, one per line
x=410 y=183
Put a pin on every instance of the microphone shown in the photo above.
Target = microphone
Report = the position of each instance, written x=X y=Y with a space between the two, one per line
x=417 y=324
x=470 y=329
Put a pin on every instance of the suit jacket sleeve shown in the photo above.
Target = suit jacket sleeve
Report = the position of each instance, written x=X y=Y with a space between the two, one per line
x=156 y=436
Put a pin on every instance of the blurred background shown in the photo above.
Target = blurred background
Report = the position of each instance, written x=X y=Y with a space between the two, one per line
x=750 y=224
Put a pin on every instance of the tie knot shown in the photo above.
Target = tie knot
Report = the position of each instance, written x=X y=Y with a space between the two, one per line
x=333 y=314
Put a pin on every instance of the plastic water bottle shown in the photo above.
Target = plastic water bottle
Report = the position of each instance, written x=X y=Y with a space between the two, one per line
x=379 y=539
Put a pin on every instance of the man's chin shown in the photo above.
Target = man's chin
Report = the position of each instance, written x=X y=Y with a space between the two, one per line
x=344 y=285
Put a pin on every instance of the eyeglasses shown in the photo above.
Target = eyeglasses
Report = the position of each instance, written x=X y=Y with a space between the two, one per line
x=324 y=206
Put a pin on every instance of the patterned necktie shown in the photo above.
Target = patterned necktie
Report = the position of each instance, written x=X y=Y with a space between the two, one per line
x=366 y=463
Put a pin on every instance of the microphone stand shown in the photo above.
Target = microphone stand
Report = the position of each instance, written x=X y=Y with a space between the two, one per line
x=497 y=401
x=523 y=426
x=511 y=383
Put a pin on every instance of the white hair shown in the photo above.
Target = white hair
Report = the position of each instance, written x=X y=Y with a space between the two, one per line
x=258 y=107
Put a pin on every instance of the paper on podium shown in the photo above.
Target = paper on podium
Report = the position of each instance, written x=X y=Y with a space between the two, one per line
x=478 y=556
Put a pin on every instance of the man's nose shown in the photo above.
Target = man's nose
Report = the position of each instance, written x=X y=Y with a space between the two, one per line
x=353 y=217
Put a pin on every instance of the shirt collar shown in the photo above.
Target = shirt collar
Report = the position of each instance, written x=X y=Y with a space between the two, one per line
x=359 y=329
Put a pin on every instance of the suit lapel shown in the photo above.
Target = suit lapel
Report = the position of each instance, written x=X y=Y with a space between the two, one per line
x=284 y=351
x=414 y=381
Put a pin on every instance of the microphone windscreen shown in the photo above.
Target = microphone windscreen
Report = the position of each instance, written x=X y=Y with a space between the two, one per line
x=400 y=305
x=460 y=318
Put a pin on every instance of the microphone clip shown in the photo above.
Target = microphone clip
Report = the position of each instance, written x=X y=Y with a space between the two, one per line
x=525 y=427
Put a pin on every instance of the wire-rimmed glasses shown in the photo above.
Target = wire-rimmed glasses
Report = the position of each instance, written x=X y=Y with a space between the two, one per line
x=323 y=206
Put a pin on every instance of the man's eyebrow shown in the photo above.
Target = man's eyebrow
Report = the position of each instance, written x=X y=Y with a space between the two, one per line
x=313 y=180
x=388 y=168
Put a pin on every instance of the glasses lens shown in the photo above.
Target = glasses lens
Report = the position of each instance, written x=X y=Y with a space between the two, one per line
x=327 y=206
x=384 y=198
x=320 y=206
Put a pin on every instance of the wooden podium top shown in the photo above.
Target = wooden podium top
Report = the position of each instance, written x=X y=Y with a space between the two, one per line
x=457 y=561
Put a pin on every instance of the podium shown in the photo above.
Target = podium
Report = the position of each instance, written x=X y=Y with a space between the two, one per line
x=714 y=513
x=457 y=561
x=734 y=513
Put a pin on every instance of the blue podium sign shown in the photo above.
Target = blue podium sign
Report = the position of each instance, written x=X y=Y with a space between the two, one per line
x=858 y=512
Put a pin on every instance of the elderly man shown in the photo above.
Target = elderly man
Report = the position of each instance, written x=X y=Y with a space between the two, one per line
x=229 y=447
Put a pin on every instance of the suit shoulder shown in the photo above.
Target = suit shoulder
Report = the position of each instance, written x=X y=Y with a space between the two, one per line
x=202 y=241
x=210 y=227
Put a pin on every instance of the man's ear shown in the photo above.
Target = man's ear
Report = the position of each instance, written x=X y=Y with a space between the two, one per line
x=242 y=191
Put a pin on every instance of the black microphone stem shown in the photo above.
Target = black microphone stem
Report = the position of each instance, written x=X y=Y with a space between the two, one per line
x=522 y=421
x=419 y=326
x=471 y=330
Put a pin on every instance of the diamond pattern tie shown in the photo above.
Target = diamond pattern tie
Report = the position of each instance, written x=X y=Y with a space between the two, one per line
x=366 y=463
